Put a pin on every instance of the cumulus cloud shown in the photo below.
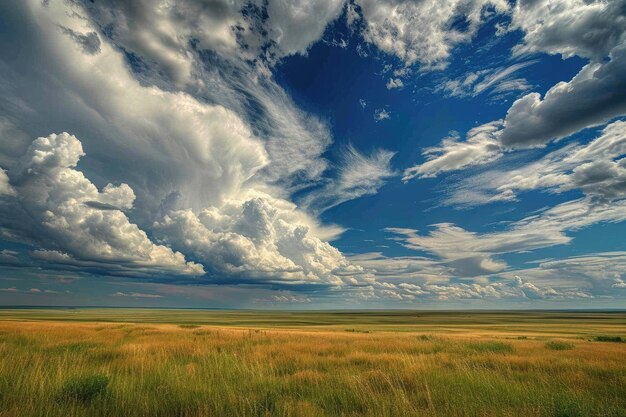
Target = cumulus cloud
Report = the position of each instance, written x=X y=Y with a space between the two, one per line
x=52 y=194
x=359 y=175
x=594 y=96
x=259 y=238
x=169 y=147
x=412 y=278
x=424 y=32
x=192 y=170
x=585 y=276
x=589 y=29
x=594 y=30
x=5 y=187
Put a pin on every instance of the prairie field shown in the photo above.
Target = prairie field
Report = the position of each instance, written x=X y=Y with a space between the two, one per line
x=136 y=362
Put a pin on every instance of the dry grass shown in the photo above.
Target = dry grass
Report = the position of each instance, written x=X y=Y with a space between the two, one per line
x=104 y=369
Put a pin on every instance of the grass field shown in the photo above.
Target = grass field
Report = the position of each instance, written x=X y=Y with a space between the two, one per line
x=131 y=362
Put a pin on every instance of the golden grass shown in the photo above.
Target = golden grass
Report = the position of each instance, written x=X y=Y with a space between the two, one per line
x=104 y=369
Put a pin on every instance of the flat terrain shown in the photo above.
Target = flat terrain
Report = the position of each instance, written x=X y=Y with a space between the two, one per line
x=136 y=362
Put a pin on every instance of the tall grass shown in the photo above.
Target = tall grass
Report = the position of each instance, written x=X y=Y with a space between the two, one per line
x=83 y=369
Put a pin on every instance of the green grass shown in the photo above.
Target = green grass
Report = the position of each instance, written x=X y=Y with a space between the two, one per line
x=559 y=346
x=422 y=365
x=615 y=339
x=84 y=388
x=494 y=347
x=188 y=326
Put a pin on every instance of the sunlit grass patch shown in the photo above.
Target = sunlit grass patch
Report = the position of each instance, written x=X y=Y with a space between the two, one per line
x=189 y=326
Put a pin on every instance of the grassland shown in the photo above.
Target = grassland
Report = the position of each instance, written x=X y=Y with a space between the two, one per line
x=113 y=362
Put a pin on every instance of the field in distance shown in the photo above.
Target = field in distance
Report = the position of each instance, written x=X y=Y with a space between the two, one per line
x=139 y=362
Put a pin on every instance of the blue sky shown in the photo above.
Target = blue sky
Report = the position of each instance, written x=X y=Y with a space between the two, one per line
x=359 y=154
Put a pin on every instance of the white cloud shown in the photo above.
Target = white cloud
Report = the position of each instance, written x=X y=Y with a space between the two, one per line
x=394 y=83
x=5 y=187
x=258 y=238
x=381 y=114
x=494 y=80
x=422 y=32
x=472 y=254
x=588 y=29
x=359 y=175
x=166 y=146
x=596 y=168
x=54 y=198
x=594 y=30
x=593 y=97
x=136 y=295
x=480 y=147
x=194 y=169
x=235 y=74
x=161 y=32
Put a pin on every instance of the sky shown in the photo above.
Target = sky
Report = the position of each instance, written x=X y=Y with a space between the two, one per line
x=336 y=154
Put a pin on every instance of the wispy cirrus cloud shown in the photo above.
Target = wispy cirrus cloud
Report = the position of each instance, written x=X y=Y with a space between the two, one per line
x=498 y=80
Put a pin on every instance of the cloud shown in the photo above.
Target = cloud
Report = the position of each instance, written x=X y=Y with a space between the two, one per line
x=169 y=147
x=585 y=276
x=480 y=147
x=259 y=238
x=424 y=32
x=596 y=168
x=494 y=81
x=394 y=83
x=5 y=187
x=359 y=175
x=411 y=278
x=230 y=65
x=209 y=175
x=136 y=295
x=593 y=97
x=170 y=35
x=381 y=114
x=52 y=196
x=589 y=29
x=597 y=94
x=285 y=299
x=89 y=41
x=472 y=254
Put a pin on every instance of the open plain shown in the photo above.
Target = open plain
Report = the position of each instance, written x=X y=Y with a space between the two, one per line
x=114 y=362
